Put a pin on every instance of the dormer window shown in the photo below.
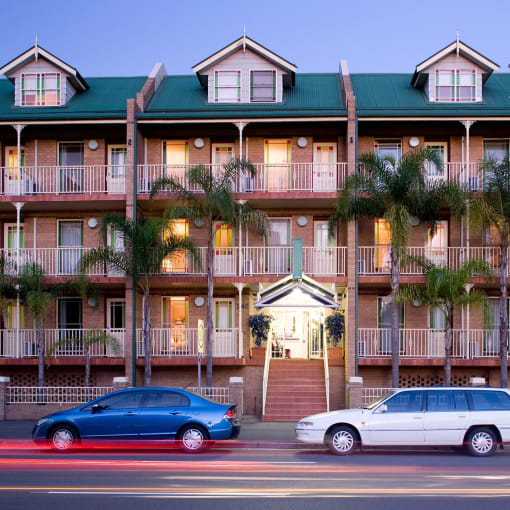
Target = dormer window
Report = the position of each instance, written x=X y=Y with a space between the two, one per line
x=263 y=86
x=40 y=89
x=227 y=86
x=455 y=85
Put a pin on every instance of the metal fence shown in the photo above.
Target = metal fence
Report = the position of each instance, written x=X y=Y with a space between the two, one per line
x=219 y=395
x=370 y=394
x=54 y=394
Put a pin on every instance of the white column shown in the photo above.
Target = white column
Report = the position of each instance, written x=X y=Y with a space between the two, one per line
x=240 y=287
x=19 y=129
x=18 y=206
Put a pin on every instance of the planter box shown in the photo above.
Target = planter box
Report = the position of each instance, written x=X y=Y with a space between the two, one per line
x=335 y=355
x=258 y=355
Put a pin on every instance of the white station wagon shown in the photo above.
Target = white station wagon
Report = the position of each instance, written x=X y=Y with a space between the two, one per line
x=478 y=418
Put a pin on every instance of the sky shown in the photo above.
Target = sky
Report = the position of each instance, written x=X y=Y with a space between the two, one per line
x=127 y=37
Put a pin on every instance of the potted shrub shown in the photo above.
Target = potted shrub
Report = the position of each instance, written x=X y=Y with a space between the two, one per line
x=335 y=326
x=260 y=324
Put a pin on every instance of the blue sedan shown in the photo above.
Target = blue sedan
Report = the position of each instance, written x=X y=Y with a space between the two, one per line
x=143 y=414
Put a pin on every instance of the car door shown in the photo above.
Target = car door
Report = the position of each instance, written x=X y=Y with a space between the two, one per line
x=401 y=422
x=447 y=417
x=162 y=414
x=118 y=417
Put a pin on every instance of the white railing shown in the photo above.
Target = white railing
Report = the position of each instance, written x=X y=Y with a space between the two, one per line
x=370 y=394
x=62 y=343
x=324 y=261
x=259 y=260
x=265 y=377
x=57 y=180
x=183 y=342
x=375 y=260
x=220 y=395
x=54 y=261
x=316 y=177
x=54 y=394
x=429 y=343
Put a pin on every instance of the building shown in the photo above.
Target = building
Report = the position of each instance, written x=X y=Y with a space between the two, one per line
x=74 y=148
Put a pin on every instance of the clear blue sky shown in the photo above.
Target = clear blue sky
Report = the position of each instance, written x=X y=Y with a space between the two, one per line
x=126 y=37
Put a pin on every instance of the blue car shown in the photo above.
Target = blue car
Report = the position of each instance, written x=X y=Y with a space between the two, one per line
x=141 y=414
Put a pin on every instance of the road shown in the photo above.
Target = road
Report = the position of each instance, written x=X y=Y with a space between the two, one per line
x=251 y=478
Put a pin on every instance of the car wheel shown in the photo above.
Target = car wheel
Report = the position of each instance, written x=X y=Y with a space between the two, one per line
x=63 y=438
x=342 y=440
x=481 y=442
x=193 y=439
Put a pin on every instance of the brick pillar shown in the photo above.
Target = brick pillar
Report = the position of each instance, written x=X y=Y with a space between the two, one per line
x=354 y=392
x=4 y=382
x=477 y=381
x=236 y=394
x=120 y=383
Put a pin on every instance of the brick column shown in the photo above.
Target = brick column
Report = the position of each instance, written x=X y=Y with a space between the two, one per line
x=236 y=394
x=477 y=381
x=4 y=382
x=120 y=383
x=354 y=392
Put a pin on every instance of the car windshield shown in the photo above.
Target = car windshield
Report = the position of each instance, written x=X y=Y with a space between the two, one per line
x=377 y=401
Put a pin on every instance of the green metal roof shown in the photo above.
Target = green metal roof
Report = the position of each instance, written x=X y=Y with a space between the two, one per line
x=183 y=97
x=105 y=99
x=392 y=95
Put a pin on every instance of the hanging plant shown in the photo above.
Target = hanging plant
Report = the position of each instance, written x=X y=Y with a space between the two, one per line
x=335 y=326
x=259 y=327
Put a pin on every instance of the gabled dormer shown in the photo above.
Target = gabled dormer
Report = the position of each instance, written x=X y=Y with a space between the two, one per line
x=455 y=74
x=245 y=72
x=42 y=79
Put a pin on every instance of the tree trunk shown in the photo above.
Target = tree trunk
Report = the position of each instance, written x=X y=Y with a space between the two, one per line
x=210 y=293
x=147 y=344
x=86 y=353
x=448 y=344
x=503 y=317
x=42 y=355
x=395 y=319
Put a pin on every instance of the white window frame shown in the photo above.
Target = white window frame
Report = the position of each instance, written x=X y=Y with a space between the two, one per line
x=275 y=89
x=455 y=74
x=39 y=91
x=217 y=86
x=396 y=142
x=500 y=140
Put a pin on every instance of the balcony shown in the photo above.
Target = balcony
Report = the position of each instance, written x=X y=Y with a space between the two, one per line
x=183 y=342
x=296 y=177
x=59 y=180
x=375 y=260
x=60 y=342
x=429 y=343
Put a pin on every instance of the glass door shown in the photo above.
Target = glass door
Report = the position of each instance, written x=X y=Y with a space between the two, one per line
x=382 y=257
x=315 y=335
x=224 y=259
x=223 y=345
x=116 y=324
x=324 y=252
x=175 y=325
x=70 y=161
x=278 y=258
x=13 y=177
x=221 y=154
x=11 y=244
x=433 y=171
x=116 y=175
x=70 y=327
x=177 y=262
x=277 y=165
x=115 y=240
x=491 y=334
x=384 y=325
x=436 y=250
x=175 y=160
x=70 y=242
x=436 y=344
x=324 y=167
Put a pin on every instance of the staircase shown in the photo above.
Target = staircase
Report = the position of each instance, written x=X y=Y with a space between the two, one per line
x=295 y=388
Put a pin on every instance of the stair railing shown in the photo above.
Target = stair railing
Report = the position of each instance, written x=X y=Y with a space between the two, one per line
x=326 y=373
x=269 y=348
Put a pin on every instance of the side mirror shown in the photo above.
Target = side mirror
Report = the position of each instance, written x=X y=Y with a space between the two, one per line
x=96 y=408
x=382 y=409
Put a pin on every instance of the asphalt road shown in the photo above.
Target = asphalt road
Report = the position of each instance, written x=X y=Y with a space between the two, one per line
x=251 y=478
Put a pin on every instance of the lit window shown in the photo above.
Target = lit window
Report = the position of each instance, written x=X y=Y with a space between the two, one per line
x=227 y=86
x=263 y=86
x=40 y=89
x=455 y=86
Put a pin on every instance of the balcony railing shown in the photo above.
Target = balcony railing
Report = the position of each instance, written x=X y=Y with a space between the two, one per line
x=375 y=260
x=315 y=177
x=54 y=261
x=61 y=180
x=61 y=343
x=183 y=342
x=429 y=343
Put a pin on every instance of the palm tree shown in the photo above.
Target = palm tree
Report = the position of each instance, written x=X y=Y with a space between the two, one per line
x=446 y=289
x=492 y=210
x=396 y=192
x=214 y=203
x=147 y=242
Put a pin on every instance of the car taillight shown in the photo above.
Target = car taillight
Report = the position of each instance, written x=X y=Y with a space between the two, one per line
x=231 y=413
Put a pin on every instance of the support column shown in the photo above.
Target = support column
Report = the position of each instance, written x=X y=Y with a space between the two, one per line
x=19 y=129
x=120 y=383
x=18 y=206
x=354 y=392
x=236 y=394
x=240 y=287
x=4 y=383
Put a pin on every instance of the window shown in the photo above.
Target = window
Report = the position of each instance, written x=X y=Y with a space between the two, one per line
x=263 y=86
x=445 y=400
x=227 y=86
x=127 y=400
x=70 y=160
x=389 y=150
x=405 y=402
x=455 y=85
x=158 y=398
x=489 y=400
x=176 y=262
x=40 y=89
x=495 y=150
